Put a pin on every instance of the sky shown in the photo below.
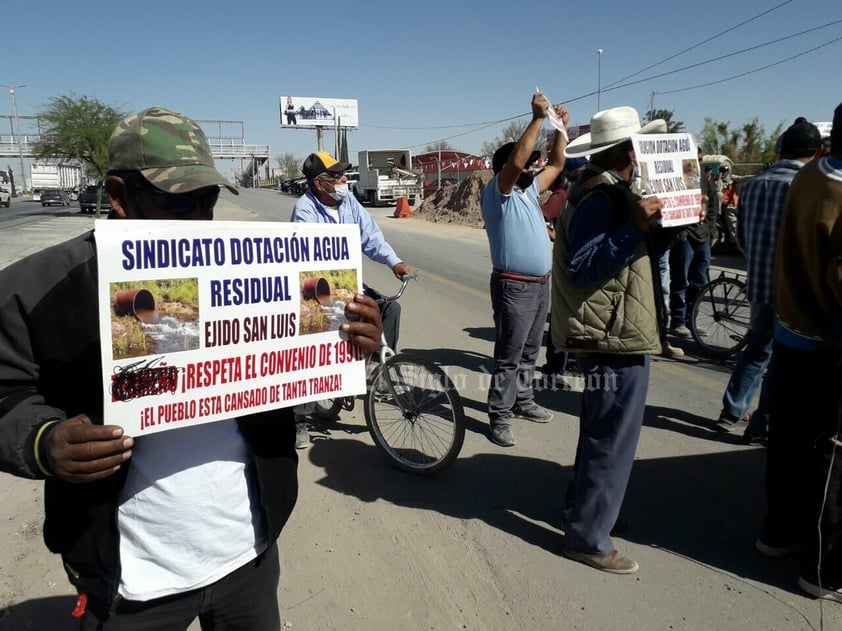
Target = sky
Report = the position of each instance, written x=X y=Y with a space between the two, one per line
x=427 y=71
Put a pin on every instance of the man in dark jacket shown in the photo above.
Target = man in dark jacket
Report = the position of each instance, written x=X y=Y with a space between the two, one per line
x=158 y=530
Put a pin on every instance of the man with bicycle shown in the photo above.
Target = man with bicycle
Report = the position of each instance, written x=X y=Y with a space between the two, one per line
x=329 y=200
x=759 y=210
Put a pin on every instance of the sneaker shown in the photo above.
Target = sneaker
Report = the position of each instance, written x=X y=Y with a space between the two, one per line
x=532 y=412
x=776 y=552
x=302 y=436
x=613 y=562
x=728 y=422
x=668 y=350
x=825 y=593
x=501 y=434
x=681 y=331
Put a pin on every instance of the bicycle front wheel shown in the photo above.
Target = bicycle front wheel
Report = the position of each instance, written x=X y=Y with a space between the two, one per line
x=415 y=414
x=721 y=317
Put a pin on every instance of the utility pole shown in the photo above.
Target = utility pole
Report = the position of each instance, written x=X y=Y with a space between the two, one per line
x=17 y=125
x=598 y=76
x=651 y=112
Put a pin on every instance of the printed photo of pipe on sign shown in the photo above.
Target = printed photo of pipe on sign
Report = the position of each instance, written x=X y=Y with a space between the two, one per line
x=202 y=321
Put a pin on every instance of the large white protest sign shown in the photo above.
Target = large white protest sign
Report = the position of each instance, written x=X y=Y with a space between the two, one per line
x=208 y=320
x=670 y=169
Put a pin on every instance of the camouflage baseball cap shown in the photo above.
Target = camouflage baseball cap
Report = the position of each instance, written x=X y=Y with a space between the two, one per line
x=167 y=148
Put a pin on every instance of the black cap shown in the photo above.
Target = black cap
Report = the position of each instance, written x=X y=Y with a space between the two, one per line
x=501 y=156
x=800 y=140
x=322 y=162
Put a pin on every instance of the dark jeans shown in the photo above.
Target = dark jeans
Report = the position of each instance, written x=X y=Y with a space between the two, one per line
x=245 y=600
x=804 y=414
x=689 y=266
x=520 y=310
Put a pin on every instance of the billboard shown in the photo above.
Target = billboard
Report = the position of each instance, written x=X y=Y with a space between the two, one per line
x=310 y=112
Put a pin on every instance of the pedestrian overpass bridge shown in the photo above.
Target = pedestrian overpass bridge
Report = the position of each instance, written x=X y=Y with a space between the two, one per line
x=223 y=147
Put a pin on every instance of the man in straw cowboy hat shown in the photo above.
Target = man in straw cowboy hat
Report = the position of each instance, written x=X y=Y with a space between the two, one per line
x=607 y=307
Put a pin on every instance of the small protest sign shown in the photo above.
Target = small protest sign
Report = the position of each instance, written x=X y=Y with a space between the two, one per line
x=670 y=169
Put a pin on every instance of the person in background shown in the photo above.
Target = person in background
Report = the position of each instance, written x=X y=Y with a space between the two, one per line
x=329 y=200
x=804 y=463
x=759 y=216
x=605 y=308
x=689 y=262
x=520 y=256
x=730 y=199
x=144 y=537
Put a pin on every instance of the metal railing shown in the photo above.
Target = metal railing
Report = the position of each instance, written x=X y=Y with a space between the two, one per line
x=10 y=148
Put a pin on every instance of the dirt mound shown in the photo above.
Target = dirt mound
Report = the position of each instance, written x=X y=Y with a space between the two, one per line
x=456 y=203
x=459 y=203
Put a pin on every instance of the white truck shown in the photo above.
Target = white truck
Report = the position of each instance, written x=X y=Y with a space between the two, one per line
x=386 y=175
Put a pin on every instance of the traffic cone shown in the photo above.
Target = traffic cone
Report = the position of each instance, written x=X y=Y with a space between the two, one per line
x=402 y=208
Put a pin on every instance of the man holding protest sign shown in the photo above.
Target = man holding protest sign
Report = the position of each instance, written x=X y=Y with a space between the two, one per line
x=605 y=308
x=158 y=530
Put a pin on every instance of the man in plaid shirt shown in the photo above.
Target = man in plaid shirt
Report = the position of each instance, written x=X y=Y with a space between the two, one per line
x=759 y=211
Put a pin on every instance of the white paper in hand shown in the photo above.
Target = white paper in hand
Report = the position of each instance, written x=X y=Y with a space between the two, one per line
x=555 y=120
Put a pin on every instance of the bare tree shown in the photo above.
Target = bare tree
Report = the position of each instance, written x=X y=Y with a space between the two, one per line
x=511 y=133
x=289 y=165
x=439 y=145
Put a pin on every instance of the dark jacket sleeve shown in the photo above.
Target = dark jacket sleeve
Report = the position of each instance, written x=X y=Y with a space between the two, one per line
x=49 y=349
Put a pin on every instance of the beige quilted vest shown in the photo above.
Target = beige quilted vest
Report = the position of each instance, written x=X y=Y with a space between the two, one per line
x=616 y=316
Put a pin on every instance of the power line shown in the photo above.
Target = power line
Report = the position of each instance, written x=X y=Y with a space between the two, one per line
x=748 y=72
x=727 y=55
x=615 y=86
x=709 y=39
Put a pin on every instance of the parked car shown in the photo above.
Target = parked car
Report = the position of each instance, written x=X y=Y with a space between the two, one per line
x=87 y=199
x=299 y=186
x=5 y=197
x=50 y=196
x=285 y=185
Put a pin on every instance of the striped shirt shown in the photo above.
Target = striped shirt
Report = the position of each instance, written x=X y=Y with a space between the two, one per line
x=759 y=213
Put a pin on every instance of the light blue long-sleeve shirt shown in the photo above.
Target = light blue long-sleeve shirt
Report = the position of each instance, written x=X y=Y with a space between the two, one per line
x=308 y=209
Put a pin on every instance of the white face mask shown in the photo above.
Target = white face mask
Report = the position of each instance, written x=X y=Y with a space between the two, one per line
x=340 y=191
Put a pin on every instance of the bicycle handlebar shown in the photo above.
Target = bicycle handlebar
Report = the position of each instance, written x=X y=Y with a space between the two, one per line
x=404 y=282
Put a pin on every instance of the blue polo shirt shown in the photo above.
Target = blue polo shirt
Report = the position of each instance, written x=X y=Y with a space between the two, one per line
x=517 y=233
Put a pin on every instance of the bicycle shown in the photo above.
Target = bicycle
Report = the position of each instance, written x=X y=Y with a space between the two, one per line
x=412 y=409
x=721 y=315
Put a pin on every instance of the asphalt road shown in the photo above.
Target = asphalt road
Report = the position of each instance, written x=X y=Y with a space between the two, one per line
x=478 y=547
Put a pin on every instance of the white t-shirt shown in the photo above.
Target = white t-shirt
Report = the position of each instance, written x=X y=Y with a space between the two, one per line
x=186 y=518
